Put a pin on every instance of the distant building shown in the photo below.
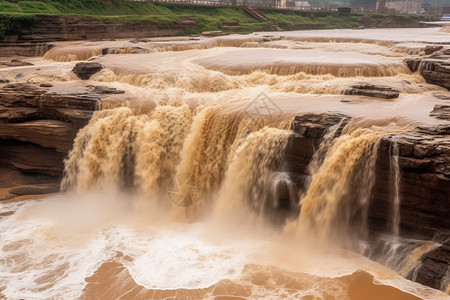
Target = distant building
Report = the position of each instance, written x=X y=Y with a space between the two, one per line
x=303 y=4
x=401 y=7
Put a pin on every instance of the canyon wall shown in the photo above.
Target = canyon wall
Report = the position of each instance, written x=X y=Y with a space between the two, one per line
x=37 y=129
x=35 y=41
x=424 y=162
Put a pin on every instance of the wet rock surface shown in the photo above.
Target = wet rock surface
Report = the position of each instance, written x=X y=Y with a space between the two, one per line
x=441 y=112
x=424 y=186
x=309 y=130
x=101 y=89
x=434 y=69
x=370 y=90
x=37 y=128
x=424 y=162
x=36 y=189
x=434 y=270
x=84 y=70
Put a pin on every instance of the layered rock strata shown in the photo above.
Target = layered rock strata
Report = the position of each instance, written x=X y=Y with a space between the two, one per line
x=434 y=69
x=37 y=40
x=424 y=184
x=37 y=129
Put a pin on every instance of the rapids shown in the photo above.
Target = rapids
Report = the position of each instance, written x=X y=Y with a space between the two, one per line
x=178 y=188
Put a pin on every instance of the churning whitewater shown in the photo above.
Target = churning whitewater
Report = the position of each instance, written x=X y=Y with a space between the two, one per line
x=181 y=187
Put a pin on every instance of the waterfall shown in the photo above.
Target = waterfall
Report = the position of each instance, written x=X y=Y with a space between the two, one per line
x=253 y=179
x=122 y=147
x=337 y=200
x=167 y=153
x=395 y=179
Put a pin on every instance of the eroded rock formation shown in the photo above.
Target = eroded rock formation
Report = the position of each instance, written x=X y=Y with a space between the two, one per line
x=371 y=90
x=37 y=129
x=424 y=184
x=435 y=68
x=84 y=70
x=37 y=40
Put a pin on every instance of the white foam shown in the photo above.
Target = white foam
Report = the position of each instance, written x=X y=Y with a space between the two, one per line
x=48 y=255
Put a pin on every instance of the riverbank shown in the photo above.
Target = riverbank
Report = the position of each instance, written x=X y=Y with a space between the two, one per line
x=26 y=26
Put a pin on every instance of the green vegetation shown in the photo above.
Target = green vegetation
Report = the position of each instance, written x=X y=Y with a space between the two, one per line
x=291 y=20
x=11 y=23
x=207 y=18
x=15 y=14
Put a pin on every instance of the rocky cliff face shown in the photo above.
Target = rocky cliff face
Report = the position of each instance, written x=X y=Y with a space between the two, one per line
x=434 y=68
x=424 y=162
x=36 y=41
x=424 y=190
x=37 y=129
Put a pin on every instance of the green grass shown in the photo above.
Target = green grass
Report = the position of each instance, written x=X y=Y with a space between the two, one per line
x=11 y=23
x=333 y=20
x=207 y=18
x=15 y=14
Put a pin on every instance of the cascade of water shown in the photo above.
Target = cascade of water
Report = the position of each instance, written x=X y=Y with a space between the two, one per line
x=122 y=147
x=393 y=246
x=338 y=197
x=395 y=179
x=250 y=176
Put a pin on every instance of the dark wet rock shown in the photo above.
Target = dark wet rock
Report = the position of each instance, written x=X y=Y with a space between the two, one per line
x=37 y=128
x=424 y=161
x=31 y=158
x=371 y=90
x=102 y=89
x=10 y=176
x=46 y=85
x=431 y=49
x=434 y=267
x=441 y=112
x=141 y=40
x=84 y=70
x=434 y=69
x=309 y=130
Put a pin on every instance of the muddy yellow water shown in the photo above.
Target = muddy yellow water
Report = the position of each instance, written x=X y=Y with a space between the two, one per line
x=173 y=189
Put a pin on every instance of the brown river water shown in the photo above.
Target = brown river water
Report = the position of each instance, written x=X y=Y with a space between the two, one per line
x=170 y=191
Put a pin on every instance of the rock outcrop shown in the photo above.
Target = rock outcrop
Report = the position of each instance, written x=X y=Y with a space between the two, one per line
x=441 y=112
x=309 y=130
x=424 y=189
x=434 y=269
x=371 y=90
x=84 y=70
x=36 y=40
x=434 y=69
x=424 y=162
x=424 y=185
x=37 y=128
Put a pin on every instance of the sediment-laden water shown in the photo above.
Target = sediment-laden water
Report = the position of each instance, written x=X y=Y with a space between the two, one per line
x=179 y=188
